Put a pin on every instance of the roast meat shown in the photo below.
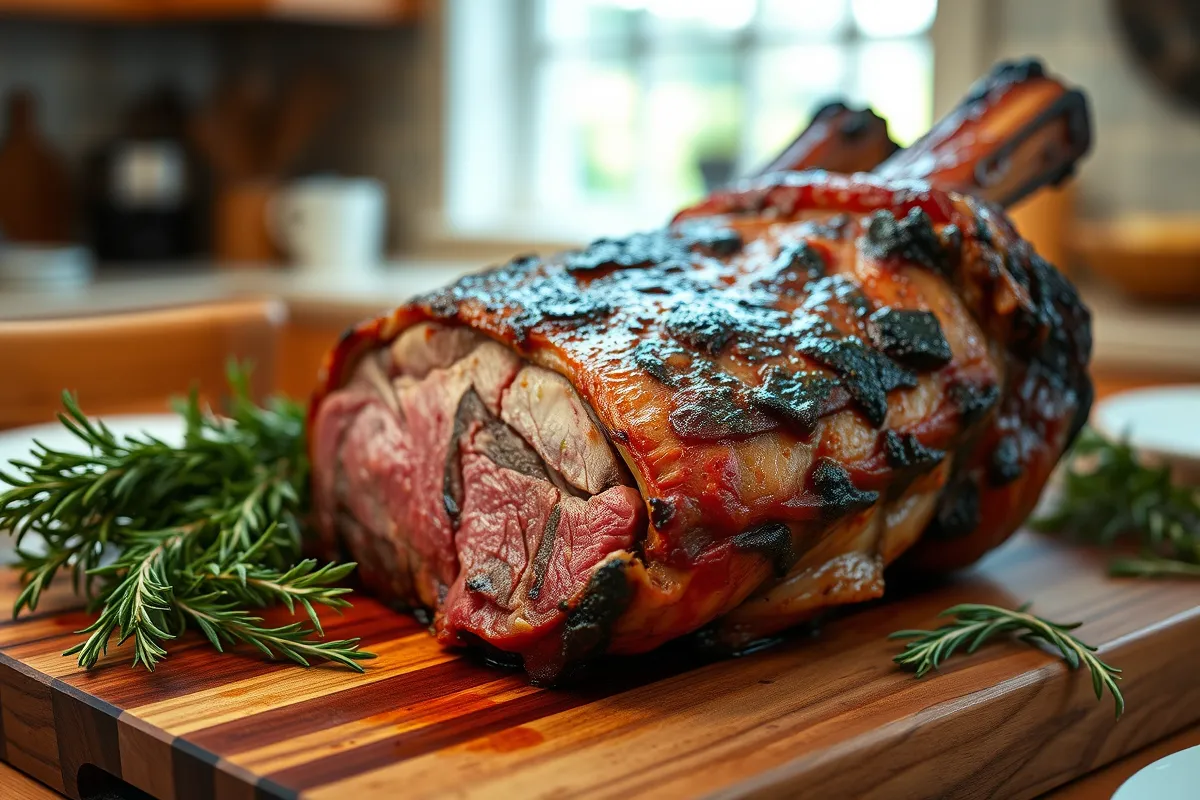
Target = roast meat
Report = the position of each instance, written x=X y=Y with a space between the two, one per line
x=728 y=424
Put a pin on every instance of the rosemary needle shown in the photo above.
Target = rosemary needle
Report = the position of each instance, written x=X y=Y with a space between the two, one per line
x=160 y=538
x=975 y=624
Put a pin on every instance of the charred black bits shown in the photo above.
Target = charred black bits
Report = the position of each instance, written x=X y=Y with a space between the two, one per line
x=704 y=327
x=1005 y=466
x=481 y=584
x=661 y=511
x=952 y=242
x=1004 y=74
x=823 y=292
x=913 y=338
x=905 y=451
x=838 y=494
x=800 y=398
x=443 y=306
x=719 y=242
x=833 y=229
x=773 y=541
x=973 y=402
x=638 y=250
x=589 y=623
x=982 y=232
x=867 y=374
x=798 y=262
x=958 y=513
x=653 y=358
x=910 y=239
x=716 y=413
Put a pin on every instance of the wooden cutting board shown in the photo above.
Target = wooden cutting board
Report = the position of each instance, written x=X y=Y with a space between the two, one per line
x=822 y=716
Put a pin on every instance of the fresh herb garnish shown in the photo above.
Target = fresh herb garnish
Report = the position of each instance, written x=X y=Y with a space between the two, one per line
x=974 y=624
x=160 y=538
x=1110 y=496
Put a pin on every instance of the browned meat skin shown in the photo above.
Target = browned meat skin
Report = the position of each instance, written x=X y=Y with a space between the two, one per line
x=801 y=376
x=1017 y=130
x=839 y=139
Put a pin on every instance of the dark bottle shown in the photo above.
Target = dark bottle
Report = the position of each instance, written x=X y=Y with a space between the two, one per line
x=143 y=187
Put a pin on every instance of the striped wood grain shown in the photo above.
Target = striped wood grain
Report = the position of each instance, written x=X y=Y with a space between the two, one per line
x=822 y=716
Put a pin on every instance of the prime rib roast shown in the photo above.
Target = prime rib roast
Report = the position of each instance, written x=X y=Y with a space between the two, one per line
x=726 y=425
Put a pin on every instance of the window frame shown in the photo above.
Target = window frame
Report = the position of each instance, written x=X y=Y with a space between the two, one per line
x=497 y=52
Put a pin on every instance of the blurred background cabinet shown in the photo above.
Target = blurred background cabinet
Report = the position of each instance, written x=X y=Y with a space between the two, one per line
x=355 y=11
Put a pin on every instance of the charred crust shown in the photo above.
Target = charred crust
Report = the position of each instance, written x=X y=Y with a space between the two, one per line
x=834 y=229
x=867 y=374
x=826 y=110
x=952 y=243
x=637 y=250
x=706 y=328
x=835 y=289
x=661 y=511
x=913 y=338
x=541 y=559
x=800 y=398
x=837 y=493
x=798 y=263
x=653 y=357
x=958 y=512
x=443 y=306
x=911 y=239
x=772 y=541
x=1005 y=464
x=619 y=435
x=904 y=451
x=717 y=413
x=983 y=234
x=589 y=623
x=1003 y=75
x=973 y=402
x=720 y=242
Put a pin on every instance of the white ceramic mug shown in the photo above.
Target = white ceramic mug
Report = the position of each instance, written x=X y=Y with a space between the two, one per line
x=330 y=224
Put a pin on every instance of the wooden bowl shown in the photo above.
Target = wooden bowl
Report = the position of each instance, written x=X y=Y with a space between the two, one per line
x=1150 y=258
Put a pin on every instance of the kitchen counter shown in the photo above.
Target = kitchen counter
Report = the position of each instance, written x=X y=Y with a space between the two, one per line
x=119 y=290
x=1129 y=338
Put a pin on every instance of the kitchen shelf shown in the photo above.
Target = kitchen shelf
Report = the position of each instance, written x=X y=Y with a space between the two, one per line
x=358 y=12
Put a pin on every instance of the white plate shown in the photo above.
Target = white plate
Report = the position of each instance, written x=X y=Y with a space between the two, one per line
x=1162 y=422
x=1176 y=777
x=17 y=443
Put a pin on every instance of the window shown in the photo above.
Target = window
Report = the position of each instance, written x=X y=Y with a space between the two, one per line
x=572 y=118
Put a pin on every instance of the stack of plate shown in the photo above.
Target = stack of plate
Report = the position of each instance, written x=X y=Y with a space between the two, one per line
x=44 y=266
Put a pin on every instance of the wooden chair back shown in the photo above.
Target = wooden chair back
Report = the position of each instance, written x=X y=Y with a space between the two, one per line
x=135 y=362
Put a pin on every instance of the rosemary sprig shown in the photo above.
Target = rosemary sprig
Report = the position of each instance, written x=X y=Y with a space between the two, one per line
x=1109 y=496
x=974 y=624
x=160 y=538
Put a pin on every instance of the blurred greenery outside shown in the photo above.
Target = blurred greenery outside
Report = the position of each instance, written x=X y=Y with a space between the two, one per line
x=648 y=120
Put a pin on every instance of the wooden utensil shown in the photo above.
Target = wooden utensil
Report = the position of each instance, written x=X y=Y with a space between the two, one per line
x=825 y=716
x=307 y=103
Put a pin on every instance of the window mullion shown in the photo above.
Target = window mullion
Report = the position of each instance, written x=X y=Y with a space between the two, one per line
x=640 y=53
